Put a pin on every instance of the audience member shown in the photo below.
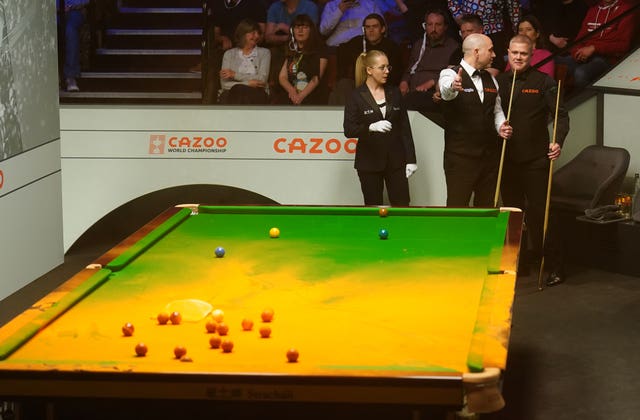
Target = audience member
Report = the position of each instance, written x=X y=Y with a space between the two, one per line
x=562 y=19
x=305 y=64
x=245 y=69
x=427 y=59
x=530 y=27
x=385 y=154
x=414 y=12
x=280 y=15
x=225 y=16
x=471 y=24
x=374 y=29
x=473 y=118
x=495 y=22
x=397 y=28
x=591 y=57
x=342 y=19
x=74 y=17
x=321 y=4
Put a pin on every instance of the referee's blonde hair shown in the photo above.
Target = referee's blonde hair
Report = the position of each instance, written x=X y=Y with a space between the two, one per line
x=364 y=60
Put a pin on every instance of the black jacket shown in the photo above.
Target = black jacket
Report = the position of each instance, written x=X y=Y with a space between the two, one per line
x=379 y=151
x=532 y=109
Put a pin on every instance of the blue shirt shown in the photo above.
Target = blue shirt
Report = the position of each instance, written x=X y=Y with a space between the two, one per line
x=277 y=12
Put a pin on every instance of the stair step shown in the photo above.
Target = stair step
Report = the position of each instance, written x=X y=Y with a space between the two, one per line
x=146 y=82
x=160 y=3
x=154 y=32
x=140 y=75
x=158 y=18
x=156 y=10
x=145 y=51
x=158 y=38
x=169 y=98
x=156 y=95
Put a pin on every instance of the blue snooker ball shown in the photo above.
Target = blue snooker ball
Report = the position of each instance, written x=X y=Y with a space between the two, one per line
x=219 y=252
x=384 y=233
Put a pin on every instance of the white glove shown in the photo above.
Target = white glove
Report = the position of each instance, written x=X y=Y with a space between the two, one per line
x=411 y=168
x=382 y=126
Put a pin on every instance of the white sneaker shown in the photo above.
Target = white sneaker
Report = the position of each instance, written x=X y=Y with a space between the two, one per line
x=72 y=86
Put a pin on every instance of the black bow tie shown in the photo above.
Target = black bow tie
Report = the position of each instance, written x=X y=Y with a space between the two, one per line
x=477 y=73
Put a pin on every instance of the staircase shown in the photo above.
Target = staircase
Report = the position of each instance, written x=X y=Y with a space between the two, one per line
x=145 y=55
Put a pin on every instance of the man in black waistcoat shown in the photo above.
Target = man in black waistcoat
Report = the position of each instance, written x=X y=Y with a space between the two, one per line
x=473 y=119
x=528 y=151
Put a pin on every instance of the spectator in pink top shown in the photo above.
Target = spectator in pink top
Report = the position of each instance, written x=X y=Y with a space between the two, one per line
x=530 y=27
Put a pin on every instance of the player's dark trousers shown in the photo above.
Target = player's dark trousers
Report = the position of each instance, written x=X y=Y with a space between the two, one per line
x=466 y=175
x=372 y=185
x=524 y=185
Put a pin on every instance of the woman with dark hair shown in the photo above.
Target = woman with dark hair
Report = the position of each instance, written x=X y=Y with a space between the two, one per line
x=245 y=68
x=302 y=71
x=375 y=115
x=531 y=27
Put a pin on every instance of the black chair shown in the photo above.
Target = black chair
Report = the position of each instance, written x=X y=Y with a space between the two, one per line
x=591 y=179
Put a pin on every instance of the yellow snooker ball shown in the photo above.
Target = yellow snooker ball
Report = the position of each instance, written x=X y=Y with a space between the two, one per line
x=274 y=232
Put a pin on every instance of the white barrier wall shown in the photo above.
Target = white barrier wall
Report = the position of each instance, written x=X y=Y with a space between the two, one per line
x=622 y=126
x=111 y=155
x=31 y=215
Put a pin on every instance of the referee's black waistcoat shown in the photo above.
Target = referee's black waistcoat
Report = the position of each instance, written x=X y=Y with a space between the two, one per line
x=469 y=123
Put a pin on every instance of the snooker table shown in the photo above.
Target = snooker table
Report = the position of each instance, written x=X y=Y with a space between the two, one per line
x=420 y=318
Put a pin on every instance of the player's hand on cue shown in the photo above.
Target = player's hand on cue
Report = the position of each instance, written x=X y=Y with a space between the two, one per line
x=554 y=151
x=506 y=130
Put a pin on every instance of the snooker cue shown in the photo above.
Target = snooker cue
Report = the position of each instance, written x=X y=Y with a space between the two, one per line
x=504 y=144
x=546 y=207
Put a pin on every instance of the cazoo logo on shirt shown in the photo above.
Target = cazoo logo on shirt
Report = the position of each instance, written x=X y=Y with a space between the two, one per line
x=160 y=144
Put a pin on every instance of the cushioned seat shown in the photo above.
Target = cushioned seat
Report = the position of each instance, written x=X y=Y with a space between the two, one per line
x=591 y=179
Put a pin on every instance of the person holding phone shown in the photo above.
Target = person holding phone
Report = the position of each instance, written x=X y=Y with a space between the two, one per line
x=342 y=19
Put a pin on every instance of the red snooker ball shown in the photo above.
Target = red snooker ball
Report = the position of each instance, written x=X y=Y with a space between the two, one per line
x=179 y=351
x=267 y=315
x=127 y=329
x=223 y=329
x=163 y=318
x=215 y=342
x=141 y=349
x=227 y=346
x=265 y=332
x=292 y=355
x=211 y=326
x=247 y=324
x=175 y=318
